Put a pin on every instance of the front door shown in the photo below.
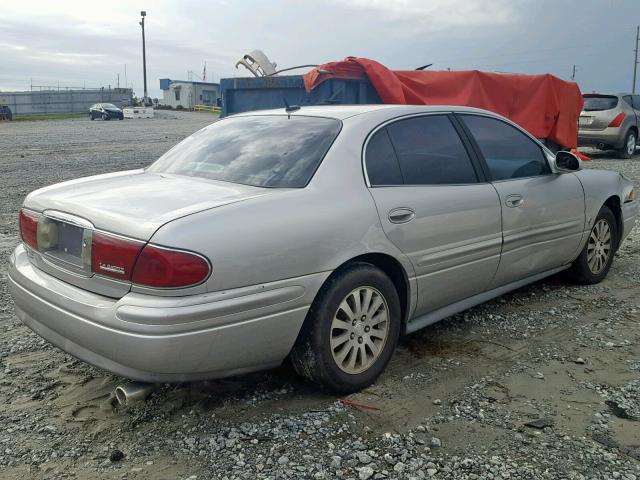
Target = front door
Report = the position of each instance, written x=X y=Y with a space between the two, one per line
x=543 y=217
x=434 y=207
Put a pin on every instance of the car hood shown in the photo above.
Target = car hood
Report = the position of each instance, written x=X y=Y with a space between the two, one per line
x=136 y=203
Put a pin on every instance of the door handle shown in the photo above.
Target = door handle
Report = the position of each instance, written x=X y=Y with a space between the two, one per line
x=514 y=201
x=401 y=215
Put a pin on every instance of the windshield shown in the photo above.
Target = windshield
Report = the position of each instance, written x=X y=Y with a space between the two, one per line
x=594 y=103
x=262 y=151
x=108 y=105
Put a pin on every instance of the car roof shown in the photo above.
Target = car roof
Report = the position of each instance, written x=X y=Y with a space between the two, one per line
x=342 y=112
x=604 y=94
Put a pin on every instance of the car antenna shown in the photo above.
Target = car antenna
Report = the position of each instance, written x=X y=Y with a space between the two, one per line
x=289 y=108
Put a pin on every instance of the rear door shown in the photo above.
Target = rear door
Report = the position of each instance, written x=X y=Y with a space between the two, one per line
x=542 y=212
x=435 y=206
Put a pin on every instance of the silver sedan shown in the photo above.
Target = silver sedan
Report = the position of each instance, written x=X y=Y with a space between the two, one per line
x=321 y=233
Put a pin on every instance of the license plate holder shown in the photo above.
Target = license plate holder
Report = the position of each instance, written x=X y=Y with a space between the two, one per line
x=585 y=121
x=66 y=244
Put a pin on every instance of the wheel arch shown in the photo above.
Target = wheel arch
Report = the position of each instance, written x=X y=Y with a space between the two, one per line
x=393 y=269
x=613 y=203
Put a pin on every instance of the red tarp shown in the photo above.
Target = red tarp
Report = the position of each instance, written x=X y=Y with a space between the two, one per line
x=544 y=105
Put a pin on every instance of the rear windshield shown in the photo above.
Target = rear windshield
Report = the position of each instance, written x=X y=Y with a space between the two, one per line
x=594 y=103
x=263 y=151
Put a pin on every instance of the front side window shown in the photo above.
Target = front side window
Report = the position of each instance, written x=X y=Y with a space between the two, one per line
x=261 y=150
x=508 y=152
x=636 y=102
x=430 y=152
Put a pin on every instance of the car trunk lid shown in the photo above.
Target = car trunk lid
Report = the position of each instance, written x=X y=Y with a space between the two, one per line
x=130 y=204
x=136 y=203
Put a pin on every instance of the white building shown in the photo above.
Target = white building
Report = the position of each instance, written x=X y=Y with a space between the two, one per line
x=186 y=93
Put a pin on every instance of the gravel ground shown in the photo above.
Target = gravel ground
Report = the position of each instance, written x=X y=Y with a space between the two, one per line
x=543 y=383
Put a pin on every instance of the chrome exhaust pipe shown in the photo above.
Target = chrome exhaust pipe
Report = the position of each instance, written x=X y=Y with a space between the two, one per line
x=133 y=392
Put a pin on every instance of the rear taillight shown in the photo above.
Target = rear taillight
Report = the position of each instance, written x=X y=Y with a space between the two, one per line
x=618 y=120
x=114 y=256
x=166 y=268
x=29 y=227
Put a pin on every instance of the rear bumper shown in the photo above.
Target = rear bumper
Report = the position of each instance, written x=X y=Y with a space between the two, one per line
x=165 y=339
x=609 y=137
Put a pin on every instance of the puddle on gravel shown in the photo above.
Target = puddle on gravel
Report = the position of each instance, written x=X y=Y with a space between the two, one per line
x=420 y=346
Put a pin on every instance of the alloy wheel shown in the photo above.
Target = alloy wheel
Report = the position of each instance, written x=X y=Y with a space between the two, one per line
x=631 y=144
x=359 y=330
x=599 y=246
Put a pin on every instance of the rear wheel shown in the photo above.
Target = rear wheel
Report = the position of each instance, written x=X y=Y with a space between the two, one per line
x=91 y=116
x=596 y=257
x=629 y=147
x=351 y=330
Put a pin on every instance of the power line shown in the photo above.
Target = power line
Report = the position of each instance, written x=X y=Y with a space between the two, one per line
x=535 y=60
x=600 y=45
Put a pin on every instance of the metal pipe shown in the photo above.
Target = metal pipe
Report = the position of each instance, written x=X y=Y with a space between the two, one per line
x=133 y=392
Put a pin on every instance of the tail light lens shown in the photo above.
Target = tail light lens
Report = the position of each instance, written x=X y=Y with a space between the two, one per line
x=166 y=268
x=29 y=228
x=113 y=256
x=616 y=122
x=131 y=260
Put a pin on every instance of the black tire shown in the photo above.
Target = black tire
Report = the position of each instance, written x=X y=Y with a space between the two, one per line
x=105 y=116
x=580 y=269
x=312 y=355
x=625 y=152
x=91 y=116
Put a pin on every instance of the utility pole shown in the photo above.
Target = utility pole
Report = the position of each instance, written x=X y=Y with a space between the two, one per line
x=635 y=63
x=573 y=74
x=144 y=58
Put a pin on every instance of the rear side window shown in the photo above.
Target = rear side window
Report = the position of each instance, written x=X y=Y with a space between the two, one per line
x=509 y=153
x=596 y=103
x=262 y=150
x=430 y=152
x=382 y=163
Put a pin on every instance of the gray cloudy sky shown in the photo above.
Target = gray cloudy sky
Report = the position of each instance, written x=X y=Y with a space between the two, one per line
x=86 y=42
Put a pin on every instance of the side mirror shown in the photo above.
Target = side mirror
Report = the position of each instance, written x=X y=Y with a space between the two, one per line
x=567 y=162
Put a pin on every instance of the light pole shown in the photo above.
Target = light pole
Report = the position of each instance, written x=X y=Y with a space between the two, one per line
x=144 y=59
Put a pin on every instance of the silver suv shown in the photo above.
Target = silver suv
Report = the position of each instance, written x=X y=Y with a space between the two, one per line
x=610 y=122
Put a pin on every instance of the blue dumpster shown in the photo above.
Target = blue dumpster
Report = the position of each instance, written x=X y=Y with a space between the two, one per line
x=260 y=93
